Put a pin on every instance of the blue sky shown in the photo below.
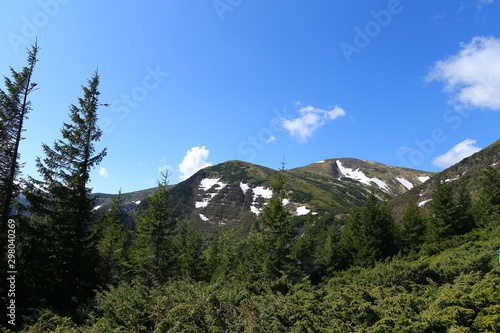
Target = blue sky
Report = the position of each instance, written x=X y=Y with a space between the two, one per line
x=194 y=83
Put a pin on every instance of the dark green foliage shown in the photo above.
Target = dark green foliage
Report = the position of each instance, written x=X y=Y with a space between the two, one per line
x=456 y=290
x=222 y=257
x=369 y=234
x=413 y=226
x=154 y=244
x=61 y=209
x=304 y=249
x=190 y=260
x=465 y=219
x=488 y=205
x=270 y=252
x=113 y=242
x=14 y=109
x=328 y=252
x=443 y=213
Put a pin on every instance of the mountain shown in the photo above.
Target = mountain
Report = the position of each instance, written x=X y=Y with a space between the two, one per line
x=130 y=200
x=469 y=171
x=233 y=193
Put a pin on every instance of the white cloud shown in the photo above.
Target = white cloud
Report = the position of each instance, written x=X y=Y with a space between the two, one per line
x=271 y=139
x=103 y=172
x=456 y=154
x=195 y=159
x=310 y=120
x=473 y=75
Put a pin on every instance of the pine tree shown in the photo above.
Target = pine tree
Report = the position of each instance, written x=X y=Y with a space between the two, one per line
x=369 y=235
x=488 y=206
x=465 y=219
x=304 y=249
x=443 y=213
x=413 y=223
x=154 y=251
x=190 y=259
x=272 y=240
x=113 y=243
x=328 y=253
x=14 y=109
x=222 y=257
x=61 y=205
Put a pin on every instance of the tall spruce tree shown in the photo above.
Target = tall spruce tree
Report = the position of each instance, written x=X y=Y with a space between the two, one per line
x=369 y=235
x=465 y=219
x=443 y=213
x=14 y=109
x=304 y=249
x=112 y=237
x=272 y=240
x=487 y=208
x=190 y=263
x=61 y=208
x=154 y=247
x=329 y=256
x=413 y=224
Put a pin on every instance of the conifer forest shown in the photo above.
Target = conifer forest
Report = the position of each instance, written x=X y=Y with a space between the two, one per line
x=384 y=264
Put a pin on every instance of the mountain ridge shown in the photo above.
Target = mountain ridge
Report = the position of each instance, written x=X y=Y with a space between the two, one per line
x=234 y=193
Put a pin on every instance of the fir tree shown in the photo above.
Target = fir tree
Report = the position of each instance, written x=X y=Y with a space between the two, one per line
x=61 y=205
x=369 y=235
x=443 y=213
x=488 y=206
x=272 y=240
x=465 y=219
x=329 y=256
x=413 y=224
x=113 y=241
x=154 y=240
x=190 y=259
x=305 y=247
x=222 y=257
x=14 y=109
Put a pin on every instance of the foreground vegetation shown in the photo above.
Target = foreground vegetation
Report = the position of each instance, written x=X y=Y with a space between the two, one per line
x=89 y=271
x=458 y=288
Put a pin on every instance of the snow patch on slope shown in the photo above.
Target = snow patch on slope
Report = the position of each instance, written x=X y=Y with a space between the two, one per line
x=423 y=179
x=420 y=204
x=98 y=207
x=207 y=184
x=257 y=192
x=244 y=187
x=451 y=180
x=302 y=210
x=405 y=183
x=361 y=177
x=202 y=204
x=261 y=191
